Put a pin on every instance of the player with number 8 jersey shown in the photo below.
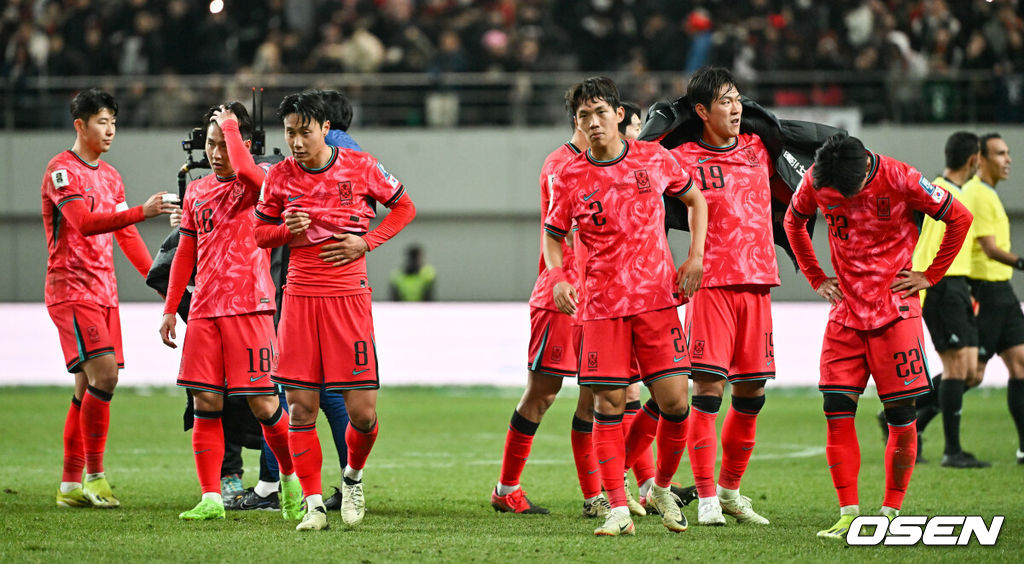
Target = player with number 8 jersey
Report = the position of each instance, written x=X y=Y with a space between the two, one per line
x=320 y=201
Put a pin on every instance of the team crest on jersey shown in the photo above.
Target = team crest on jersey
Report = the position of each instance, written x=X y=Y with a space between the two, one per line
x=238 y=191
x=387 y=176
x=643 y=182
x=751 y=156
x=94 y=334
x=556 y=354
x=698 y=349
x=345 y=193
x=592 y=361
x=883 y=208
x=60 y=179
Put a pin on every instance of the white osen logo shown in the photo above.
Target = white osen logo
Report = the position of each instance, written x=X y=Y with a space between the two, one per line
x=940 y=530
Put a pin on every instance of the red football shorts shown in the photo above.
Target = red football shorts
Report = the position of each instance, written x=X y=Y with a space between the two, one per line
x=233 y=355
x=329 y=341
x=86 y=331
x=731 y=332
x=554 y=343
x=654 y=340
x=893 y=355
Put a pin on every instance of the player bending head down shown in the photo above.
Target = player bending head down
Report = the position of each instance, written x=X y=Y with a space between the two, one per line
x=841 y=163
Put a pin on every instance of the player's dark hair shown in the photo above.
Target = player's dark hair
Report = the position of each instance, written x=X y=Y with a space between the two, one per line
x=88 y=103
x=706 y=84
x=308 y=105
x=841 y=164
x=338 y=107
x=592 y=89
x=631 y=110
x=245 y=126
x=983 y=142
x=959 y=148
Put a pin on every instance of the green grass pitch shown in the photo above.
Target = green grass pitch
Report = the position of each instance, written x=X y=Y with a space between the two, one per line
x=431 y=472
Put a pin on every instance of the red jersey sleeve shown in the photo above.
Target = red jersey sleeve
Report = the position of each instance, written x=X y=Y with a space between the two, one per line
x=680 y=181
x=133 y=247
x=802 y=207
x=250 y=173
x=559 y=217
x=271 y=206
x=382 y=185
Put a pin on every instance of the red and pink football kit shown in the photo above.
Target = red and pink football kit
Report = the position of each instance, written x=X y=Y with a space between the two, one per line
x=729 y=320
x=230 y=346
x=630 y=299
x=326 y=327
x=82 y=204
x=872 y=330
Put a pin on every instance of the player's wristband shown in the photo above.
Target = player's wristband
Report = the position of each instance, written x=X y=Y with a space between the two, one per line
x=1019 y=265
x=557 y=274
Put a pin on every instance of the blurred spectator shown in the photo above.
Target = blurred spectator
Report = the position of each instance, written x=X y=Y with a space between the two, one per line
x=414 y=281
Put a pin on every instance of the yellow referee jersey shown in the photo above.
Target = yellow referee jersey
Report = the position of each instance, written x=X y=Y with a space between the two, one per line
x=990 y=220
x=931 y=237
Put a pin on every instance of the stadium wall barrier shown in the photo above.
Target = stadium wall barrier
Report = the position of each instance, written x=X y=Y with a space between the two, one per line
x=421 y=344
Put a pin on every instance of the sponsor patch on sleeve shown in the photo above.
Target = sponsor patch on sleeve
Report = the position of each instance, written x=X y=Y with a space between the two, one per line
x=60 y=179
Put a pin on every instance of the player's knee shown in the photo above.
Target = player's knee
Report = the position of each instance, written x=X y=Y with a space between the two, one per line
x=838 y=403
x=749 y=406
x=300 y=413
x=263 y=407
x=363 y=418
x=900 y=415
x=705 y=403
x=675 y=406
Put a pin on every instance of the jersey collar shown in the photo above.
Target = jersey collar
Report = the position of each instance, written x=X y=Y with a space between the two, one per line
x=622 y=155
x=716 y=148
x=83 y=161
x=330 y=161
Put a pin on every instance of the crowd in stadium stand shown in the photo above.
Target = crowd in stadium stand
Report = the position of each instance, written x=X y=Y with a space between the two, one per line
x=918 y=38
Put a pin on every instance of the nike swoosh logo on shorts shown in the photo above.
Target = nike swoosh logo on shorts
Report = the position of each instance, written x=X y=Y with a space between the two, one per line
x=678 y=358
x=911 y=381
x=258 y=378
x=358 y=372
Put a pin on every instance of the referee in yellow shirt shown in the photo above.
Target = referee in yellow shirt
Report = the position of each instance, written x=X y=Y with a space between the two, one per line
x=1000 y=321
x=949 y=314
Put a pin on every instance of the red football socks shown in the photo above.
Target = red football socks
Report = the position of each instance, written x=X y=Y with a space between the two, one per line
x=518 y=441
x=95 y=423
x=610 y=449
x=703 y=439
x=642 y=427
x=738 y=434
x=359 y=443
x=208 y=448
x=842 y=452
x=671 y=446
x=900 y=455
x=74 y=448
x=275 y=433
x=307 y=458
x=582 y=441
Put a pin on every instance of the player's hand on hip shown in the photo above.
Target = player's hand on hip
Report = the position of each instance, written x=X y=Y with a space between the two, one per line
x=297 y=222
x=910 y=282
x=566 y=298
x=348 y=248
x=159 y=204
x=689 y=275
x=167 y=330
x=222 y=115
x=829 y=289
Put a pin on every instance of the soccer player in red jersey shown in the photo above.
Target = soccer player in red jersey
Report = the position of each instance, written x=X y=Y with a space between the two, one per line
x=613 y=194
x=729 y=321
x=83 y=202
x=230 y=347
x=319 y=202
x=553 y=355
x=874 y=325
